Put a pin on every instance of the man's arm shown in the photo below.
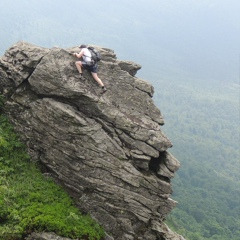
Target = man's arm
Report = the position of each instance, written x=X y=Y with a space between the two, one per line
x=78 y=55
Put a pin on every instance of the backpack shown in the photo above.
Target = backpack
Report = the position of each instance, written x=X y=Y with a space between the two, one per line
x=95 y=55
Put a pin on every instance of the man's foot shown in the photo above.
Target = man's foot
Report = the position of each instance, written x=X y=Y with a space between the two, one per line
x=80 y=77
x=104 y=89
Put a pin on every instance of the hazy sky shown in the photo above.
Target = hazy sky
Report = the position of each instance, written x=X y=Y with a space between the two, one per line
x=199 y=38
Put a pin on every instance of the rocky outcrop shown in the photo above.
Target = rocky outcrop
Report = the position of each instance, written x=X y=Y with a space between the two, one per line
x=107 y=150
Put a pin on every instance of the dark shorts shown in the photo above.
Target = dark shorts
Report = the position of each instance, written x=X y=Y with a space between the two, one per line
x=91 y=67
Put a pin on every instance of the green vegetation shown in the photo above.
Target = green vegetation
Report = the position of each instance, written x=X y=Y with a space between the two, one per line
x=29 y=202
x=202 y=120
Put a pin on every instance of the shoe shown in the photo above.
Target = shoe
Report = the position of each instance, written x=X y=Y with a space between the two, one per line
x=104 y=89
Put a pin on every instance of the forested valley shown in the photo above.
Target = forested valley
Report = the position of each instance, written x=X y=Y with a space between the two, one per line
x=202 y=120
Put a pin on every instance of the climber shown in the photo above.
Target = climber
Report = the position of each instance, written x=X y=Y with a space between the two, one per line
x=88 y=64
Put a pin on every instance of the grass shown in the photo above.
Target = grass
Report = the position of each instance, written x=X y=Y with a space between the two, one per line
x=29 y=202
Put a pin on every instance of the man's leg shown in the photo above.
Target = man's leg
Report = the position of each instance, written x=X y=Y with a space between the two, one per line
x=95 y=76
x=79 y=66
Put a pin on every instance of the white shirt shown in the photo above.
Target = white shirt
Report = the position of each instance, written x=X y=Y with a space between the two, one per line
x=86 y=55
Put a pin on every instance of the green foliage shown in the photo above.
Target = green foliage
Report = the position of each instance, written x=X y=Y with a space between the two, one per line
x=202 y=118
x=29 y=202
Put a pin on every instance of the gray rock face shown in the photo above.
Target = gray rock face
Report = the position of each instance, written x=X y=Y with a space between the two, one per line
x=108 y=149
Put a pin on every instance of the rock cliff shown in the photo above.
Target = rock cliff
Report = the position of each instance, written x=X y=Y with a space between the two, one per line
x=107 y=150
